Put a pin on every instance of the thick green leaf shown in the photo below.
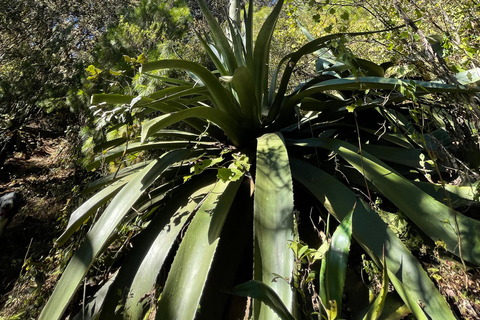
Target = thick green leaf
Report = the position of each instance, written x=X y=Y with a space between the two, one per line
x=407 y=157
x=407 y=275
x=139 y=146
x=140 y=270
x=188 y=274
x=112 y=177
x=363 y=83
x=434 y=218
x=79 y=216
x=219 y=37
x=262 y=292
x=273 y=214
x=456 y=193
x=376 y=308
x=335 y=262
x=214 y=55
x=222 y=99
x=97 y=238
x=243 y=84
x=220 y=118
x=261 y=54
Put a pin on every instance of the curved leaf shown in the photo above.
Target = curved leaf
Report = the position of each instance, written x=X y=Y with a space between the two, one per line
x=261 y=54
x=434 y=218
x=407 y=275
x=220 y=118
x=260 y=291
x=79 y=216
x=97 y=238
x=335 y=262
x=139 y=272
x=140 y=146
x=273 y=214
x=221 y=97
x=219 y=38
x=186 y=279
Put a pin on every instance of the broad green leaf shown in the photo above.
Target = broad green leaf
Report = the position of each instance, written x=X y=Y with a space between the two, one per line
x=434 y=218
x=112 y=177
x=262 y=292
x=97 y=238
x=167 y=80
x=139 y=272
x=335 y=262
x=407 y=157
x=139 y=146
x=79 y=216
x=214 y=55
x=456 y=193
x=273 y=214
x=219 y=38
x=188 y=274
x=243 y=84
x=376 y=308
x=363 y=83
x=407 y=275
x=220 y=118
x=222 y=99
x=261 y=54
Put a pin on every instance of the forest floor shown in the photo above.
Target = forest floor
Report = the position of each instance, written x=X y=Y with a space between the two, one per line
x=48 y=179
x=44 y=174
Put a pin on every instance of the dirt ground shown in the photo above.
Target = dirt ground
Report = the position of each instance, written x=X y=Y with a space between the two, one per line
x=45 y=175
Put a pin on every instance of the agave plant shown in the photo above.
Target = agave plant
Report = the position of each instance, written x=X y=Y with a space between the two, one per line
x=216 y=208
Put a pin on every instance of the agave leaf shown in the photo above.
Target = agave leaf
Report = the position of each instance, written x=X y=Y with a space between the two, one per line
x=150 y=249
x=213 y=55
x=262 y=292
x=168 y=80
x=368 y=68
x=173 y=93
x=180 y=135
x=112 y=177
x=363 y=83
x=220 y=118
x=221 y=97
x=97 y=238
x=432 y=217
x=261 y=54
x=456 y=193
x=407 y=157
x=93 y=307
x=249 y=35
x=186 y=279
x=236 y=39
x=273 y=214
x=80 y=215
x=335 y=262
x=407 y=275
x=219 y=38
x=292 y=59
x=243 y=84
x=109 y=144
x=376 y=308
x=139 y=146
